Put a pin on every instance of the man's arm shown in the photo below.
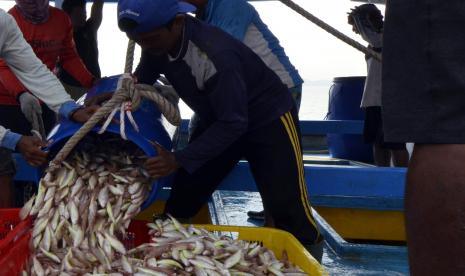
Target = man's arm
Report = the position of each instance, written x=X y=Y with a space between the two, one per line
x=374 y=38
x=8 y=139
x=229 y=100
x=30 y=147
x=70 y=59
x=96 y=14
x=10 y=82
x=148 y=69
x=35 y=76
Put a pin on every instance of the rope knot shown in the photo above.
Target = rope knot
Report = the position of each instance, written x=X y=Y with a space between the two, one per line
x=126 y=85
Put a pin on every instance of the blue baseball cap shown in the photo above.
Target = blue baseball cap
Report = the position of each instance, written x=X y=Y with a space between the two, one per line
x=151 y=14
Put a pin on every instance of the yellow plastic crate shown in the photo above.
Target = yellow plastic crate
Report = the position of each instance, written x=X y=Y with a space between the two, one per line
x=276 y=240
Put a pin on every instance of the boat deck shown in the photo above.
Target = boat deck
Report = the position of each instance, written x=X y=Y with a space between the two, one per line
x=230 y=208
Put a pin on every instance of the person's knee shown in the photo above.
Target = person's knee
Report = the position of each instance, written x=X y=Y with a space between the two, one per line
x=181 y=211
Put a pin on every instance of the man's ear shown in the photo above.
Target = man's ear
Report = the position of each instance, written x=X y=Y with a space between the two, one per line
x=179 y=21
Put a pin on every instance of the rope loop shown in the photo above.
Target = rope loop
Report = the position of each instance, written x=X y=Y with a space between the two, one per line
x=126 y=91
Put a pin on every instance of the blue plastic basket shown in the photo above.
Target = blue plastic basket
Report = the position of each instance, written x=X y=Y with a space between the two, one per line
x=148 y=119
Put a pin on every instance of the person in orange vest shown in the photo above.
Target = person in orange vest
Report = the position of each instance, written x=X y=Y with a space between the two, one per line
x=18 y=55
x=49 y=32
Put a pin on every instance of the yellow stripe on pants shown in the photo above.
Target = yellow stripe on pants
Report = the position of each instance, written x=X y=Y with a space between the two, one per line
x=296 y=145
x=299 y=155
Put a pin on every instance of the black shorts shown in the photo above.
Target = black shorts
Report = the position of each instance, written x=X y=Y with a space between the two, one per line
x=275 y=157
x=373 y=129
x=424 y=71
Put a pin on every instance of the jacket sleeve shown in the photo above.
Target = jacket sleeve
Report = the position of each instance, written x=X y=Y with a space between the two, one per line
x=35 y=76
x=233 y=17
x=70 y=59
x=8 y=139
x=148 y=69
x=8 y=79
x=227 y=94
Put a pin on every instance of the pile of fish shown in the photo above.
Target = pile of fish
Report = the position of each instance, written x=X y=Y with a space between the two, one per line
x=82 y=212
x=178 y=250
x=83 y=208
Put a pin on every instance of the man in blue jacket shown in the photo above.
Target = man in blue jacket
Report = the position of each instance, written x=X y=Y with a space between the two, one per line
x=245 y=110
x=241 y=20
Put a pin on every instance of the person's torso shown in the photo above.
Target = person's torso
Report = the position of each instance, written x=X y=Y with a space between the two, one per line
x=203 y=57
x=257 y=36
x=87 y=47
x=46 y=39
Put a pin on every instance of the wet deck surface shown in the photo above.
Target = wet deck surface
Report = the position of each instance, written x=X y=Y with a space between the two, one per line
x=231 y=209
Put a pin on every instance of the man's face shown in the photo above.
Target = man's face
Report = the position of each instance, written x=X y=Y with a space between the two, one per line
x=157 y=42
x=162 y=40
x=78 y=17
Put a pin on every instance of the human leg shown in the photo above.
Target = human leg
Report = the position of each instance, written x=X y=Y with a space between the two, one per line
x=382 y=156
x=435 y=210
x=191 y=191
x=296 y=93
x=11 y=118
x=275 y=158
x=400 y=158
x=373 y=134
x=7 y=171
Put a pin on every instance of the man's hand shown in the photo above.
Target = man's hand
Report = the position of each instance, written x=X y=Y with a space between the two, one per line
x=29 y=147
x=82 y=115
x=30 y=106
x=98 y=99
x=162 y=165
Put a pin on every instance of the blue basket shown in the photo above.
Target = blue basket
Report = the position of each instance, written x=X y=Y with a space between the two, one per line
x=148 y=119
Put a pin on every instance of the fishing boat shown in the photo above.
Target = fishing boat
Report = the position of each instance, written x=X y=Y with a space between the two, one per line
x=358 y=207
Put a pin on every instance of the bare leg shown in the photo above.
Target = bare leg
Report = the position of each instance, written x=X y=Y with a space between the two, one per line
x=7 y=192
x=435 y=210
x=400 y=158
x=382 y=156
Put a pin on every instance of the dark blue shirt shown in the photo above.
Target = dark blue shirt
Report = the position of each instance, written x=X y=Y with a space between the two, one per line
x=224 y=82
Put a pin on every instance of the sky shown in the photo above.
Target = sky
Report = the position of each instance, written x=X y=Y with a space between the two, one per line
x=317 y=55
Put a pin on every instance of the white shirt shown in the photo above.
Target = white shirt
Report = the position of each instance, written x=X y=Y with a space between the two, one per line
x=32 y=73
x=372 y=91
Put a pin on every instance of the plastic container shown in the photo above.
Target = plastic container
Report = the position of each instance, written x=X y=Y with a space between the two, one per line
x=14 y=241
x=345 y=96
x=276 y=240
x=147 y=117
x=15 y=244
